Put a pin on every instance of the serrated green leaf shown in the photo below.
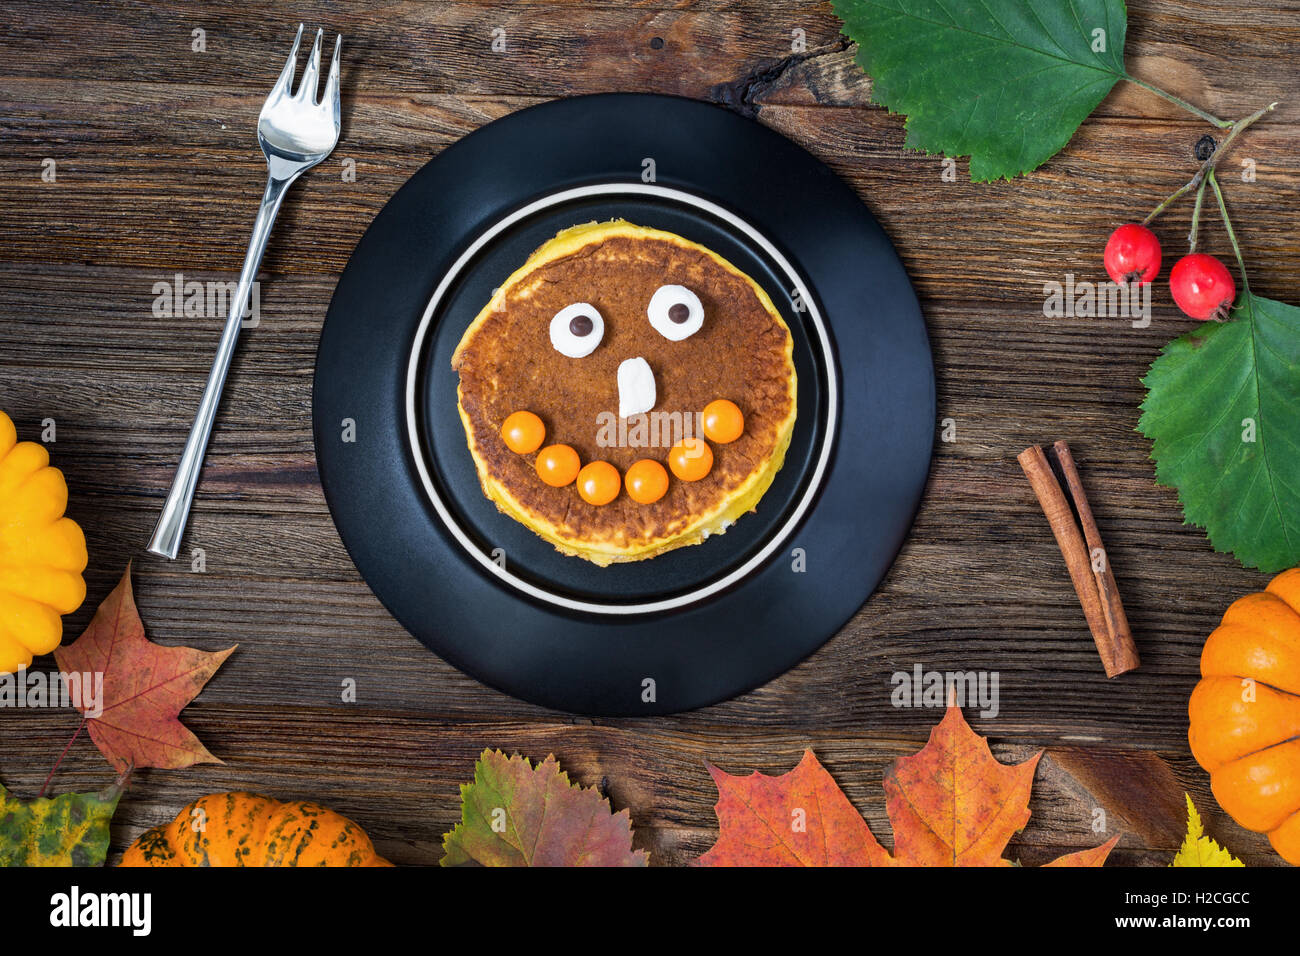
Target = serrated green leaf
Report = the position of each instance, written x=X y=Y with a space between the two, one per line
x=1197 y=848
x=1223 y=414
x=1002 y=81
x=515 y=814
x=68 y=830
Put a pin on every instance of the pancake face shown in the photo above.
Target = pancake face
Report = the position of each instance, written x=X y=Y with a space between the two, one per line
x=657 y=362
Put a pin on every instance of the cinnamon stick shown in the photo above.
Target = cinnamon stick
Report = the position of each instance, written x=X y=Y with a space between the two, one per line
x=1096 y=589
x=1125 y=656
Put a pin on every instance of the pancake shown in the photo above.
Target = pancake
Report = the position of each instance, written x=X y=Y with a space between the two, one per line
x=720 y=338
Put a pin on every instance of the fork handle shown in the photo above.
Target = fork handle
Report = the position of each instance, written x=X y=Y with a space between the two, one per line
x=166 y=540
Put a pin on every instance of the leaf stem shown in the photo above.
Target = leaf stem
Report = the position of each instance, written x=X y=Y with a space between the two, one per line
x=1232 y=235
x=1196 y=214
x=1211 y=161
x=75 y=734
x=1178 y=101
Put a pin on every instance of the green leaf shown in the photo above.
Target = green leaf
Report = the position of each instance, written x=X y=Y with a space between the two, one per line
x=1221 y=413
x=1197 y=848
x=515 y=814
x=1003 y=81
x=67 y=830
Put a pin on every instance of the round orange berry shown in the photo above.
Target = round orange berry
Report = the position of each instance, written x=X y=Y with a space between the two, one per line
x=598 y=482
x=691 y=459
x=557 y=465
x=523 y=432
x=646 y=481
x=723 y=421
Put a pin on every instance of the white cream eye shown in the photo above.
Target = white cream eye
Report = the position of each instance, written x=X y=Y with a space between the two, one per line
x=576 y=330
x=675 y=312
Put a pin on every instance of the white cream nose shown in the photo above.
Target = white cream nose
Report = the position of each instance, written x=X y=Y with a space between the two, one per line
x=636 y=387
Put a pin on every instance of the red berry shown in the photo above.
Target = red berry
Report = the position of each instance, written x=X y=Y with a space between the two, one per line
x=1132 y=254
x=1202 y=286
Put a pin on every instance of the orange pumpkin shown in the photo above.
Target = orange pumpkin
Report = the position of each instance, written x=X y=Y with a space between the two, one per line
x=1245 y=713
x=245 y=829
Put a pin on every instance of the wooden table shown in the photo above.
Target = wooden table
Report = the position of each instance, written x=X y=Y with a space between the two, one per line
x=157 y=172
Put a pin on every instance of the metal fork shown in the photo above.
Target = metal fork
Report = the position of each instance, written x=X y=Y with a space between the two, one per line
x=296 y=131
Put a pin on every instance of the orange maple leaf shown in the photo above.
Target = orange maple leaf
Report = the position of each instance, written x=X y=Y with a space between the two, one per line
x=950 y=804
x=146 y=685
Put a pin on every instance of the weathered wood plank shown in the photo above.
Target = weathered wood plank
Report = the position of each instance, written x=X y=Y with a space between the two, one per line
x=707 y=50
x=157 y=173
x=261 y=478
x=1113 y=170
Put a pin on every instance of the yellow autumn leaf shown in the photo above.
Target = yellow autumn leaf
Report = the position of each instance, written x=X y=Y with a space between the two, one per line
x=1197 y=848
x=68 y=830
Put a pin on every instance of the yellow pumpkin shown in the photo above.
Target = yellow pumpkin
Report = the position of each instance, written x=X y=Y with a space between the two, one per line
x=42 y=553
x=246 y=829
x=1244 y=715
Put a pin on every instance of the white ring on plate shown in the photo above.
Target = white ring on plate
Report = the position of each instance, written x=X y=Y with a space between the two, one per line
x=690 y=597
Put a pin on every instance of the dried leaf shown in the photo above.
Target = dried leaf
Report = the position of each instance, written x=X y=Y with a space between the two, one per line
x=146 y=686
x=1197 y=848
x=950 y=804
x=1094 y=856
x=71 y=829
x=800 y=818
x=515 y=814
x=953 y=804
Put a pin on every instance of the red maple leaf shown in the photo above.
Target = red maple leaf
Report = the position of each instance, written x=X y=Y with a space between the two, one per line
x=146 y=686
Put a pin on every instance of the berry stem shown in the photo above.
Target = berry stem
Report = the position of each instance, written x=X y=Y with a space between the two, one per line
x=1178 y=101
x=1227 y=226
x=1196 y=214
x=1211 y=161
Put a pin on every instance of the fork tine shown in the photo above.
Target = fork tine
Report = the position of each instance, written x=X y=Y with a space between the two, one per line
x=331 y=95
x=311 y=75
x=285 y=82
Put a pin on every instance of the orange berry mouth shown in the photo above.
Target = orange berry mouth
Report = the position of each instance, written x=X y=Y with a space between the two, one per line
x=646 y=480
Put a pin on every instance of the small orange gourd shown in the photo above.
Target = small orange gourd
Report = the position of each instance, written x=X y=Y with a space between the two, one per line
x=246 y=829
x=42 y=553
x=1244 y=715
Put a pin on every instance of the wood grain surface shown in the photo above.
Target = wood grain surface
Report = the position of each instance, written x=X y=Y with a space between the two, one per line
x=157 y=172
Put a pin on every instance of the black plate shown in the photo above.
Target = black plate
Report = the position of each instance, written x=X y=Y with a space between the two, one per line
x=695 y=625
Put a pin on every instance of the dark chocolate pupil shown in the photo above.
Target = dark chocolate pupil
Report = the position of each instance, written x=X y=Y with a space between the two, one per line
x=679 y=313
x=581 y=325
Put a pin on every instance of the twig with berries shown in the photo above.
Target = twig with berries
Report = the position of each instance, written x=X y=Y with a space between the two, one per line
x=1200 y=284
